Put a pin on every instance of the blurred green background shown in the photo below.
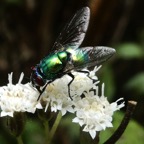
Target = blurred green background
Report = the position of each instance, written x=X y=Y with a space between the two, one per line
x=28 y=29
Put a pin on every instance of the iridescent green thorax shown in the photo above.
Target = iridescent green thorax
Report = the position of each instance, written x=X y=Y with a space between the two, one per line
x=53 y=64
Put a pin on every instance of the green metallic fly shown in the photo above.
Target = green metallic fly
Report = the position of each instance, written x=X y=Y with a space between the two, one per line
x=67 y=55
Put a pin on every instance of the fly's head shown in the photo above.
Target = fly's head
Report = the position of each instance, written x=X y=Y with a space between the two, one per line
x=37 y=77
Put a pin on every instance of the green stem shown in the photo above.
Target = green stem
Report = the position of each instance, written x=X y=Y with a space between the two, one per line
x=47 y=133
x=56 y=123
x=19 y=140
x=54 y=127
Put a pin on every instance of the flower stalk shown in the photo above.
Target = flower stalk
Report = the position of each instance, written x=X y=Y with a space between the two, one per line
x=47 y=131
x=54 y=127
x=19 y=140
x=16 y=124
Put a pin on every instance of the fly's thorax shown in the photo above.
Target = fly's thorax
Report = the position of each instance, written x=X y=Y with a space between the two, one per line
x=52 y=65
x=63 y=56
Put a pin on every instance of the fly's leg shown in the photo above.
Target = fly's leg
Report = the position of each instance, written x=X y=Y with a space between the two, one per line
x=87 y=72
x=41 y=91
x=72 y=76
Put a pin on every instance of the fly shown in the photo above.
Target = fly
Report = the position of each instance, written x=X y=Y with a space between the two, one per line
x=66 y=54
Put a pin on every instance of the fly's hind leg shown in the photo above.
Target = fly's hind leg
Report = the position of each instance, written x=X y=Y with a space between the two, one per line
x=87 y=72
x=72 y=76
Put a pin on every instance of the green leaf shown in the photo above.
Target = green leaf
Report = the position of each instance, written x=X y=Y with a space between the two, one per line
x=132 y=135
x=129 y=51
x=136 y=83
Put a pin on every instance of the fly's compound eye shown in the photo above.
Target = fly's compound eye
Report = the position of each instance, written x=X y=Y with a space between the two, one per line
x=37 y=80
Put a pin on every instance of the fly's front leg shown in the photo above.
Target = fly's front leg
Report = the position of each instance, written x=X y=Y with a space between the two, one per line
x=72 y=76
x=41 y=91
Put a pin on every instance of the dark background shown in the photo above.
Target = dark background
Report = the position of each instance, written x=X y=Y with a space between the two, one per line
x=28 y=29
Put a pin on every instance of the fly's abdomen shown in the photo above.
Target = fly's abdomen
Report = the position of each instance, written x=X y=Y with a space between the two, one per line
x=50 y=66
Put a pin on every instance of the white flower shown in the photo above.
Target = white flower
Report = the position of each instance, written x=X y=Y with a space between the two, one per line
x=95 y=112
x=92 y=73
x=56 y=94
x=18 y=98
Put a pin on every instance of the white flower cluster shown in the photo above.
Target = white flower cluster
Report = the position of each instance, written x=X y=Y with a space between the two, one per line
x=56 y=93
x=18 y=98
x=93 y=111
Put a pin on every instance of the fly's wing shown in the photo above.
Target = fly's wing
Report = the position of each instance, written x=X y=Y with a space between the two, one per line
x=74 y=32
x=89 y=56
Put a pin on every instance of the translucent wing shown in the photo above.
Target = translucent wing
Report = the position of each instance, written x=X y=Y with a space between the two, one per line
x=89 y=56
x=74 y=32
